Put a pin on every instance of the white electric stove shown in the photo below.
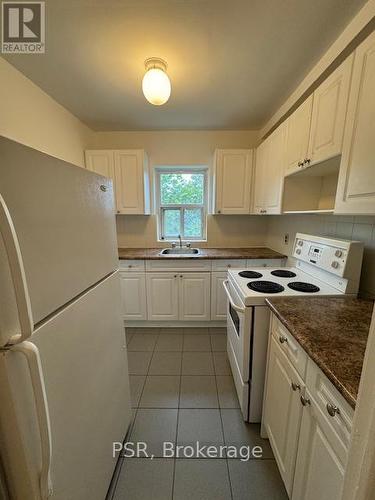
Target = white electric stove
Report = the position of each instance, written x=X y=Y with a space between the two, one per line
x=324 y=267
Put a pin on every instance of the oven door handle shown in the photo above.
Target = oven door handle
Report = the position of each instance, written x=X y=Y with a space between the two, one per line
x=235 y=307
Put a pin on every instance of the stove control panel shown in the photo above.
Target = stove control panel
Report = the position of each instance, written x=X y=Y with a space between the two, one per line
x=324 y=253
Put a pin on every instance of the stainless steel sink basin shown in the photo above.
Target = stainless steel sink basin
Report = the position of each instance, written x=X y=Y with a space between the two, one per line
x=180 y=251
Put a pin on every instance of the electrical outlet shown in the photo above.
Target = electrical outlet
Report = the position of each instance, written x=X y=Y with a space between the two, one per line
x=286 y=238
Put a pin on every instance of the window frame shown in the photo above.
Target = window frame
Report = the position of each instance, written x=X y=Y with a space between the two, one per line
x=181 y=207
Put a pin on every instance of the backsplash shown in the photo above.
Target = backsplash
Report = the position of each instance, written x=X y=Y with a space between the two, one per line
x=360 y=228
x=137 y=231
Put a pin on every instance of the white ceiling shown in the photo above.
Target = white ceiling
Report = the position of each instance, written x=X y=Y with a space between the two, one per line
x=231 y=63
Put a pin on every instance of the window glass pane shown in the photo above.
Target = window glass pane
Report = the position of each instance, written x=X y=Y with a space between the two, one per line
x=171 y=223
x=193 y=223
x=184 y=189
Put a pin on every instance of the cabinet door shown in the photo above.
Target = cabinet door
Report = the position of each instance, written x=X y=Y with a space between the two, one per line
x=131 y=181
x=162 y=296
x=100 y=162
x=274 y=172
x=133 y=291
x=321 y=458
x=195 y=297
x=329 y=113
x=297 y=136
x=218 y=297
x=356 y=186
x=260 y=177
x=233 y=177
x=283 y=411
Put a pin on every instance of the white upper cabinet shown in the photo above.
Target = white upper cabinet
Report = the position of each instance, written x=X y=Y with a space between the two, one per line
x=269 y=174
x=297 y=137
x=233 y=172
x=261 y=161
x=132 y=182
x=129 y=170
x=329 y=114
x=356 y=186
x=100 y=162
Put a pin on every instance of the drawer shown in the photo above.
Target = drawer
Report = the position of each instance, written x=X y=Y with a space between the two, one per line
x=132 y=265
x=178 y=265
x=266 y=262
x=324 y=394
x=294 y=352
x=223 y=265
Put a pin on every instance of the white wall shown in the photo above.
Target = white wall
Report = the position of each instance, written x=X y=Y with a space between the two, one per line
x=346 y=227
x=30 y=116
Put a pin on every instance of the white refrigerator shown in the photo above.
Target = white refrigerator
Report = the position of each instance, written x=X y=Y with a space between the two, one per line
x=64 y=389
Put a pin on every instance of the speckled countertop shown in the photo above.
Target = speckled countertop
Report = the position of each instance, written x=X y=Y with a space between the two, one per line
x=205 y=253
x=333 y=332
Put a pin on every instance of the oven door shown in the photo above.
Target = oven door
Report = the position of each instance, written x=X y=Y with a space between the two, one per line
x=239 y=324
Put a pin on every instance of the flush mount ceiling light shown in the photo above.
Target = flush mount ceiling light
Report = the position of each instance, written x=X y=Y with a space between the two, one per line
x=156 y=85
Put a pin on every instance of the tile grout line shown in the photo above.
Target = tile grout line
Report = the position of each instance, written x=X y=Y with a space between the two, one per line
x=144 y=383
x=178 y=414
x=222 y=430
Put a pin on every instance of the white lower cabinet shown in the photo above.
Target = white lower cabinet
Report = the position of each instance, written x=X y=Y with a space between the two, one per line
x=194 y=297
x=308 y=424
x=133 y=293
x=218 y=297
x=283 y=411
x=162 y=296
x=321 y=457
x=175 y=296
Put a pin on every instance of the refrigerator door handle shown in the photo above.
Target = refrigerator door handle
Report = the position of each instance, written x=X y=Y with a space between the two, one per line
x=17 y=270
x=31 y=353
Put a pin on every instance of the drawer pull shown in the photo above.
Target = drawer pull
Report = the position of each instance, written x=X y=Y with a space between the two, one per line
x=305 y=401
x=282 y=339
x=296 y=387
x=332 y=410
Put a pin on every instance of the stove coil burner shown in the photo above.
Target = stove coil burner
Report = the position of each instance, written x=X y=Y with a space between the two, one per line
x=300 y=286
x=265 y=287
x=283 y=273
x=250 y=274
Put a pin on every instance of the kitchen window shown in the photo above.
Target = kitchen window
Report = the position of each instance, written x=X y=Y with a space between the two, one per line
x=181 y=195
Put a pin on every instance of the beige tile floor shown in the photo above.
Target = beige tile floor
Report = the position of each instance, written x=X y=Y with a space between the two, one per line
x=182 y=391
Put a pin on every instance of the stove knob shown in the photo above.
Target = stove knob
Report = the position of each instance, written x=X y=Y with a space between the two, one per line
x=335 y=264
x=338 y=253
x=298 y=251
x=300 y=243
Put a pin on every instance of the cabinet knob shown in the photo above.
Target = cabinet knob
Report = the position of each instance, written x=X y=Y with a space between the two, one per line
x=175 y=275
x=219 y=211
x=307 y=161
x=295 y=387
x=181 y=275
x=300 y=163
x=282 y=339
x=118 y=211
x=305 y=401
x=103 y=187
x=332 y=410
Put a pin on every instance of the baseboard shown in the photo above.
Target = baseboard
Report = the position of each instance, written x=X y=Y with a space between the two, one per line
x=175 y=324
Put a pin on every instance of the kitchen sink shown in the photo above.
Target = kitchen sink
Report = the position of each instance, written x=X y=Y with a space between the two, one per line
x=180 y=251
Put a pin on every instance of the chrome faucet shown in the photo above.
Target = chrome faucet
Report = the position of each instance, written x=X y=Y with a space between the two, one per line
x=179 y=237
